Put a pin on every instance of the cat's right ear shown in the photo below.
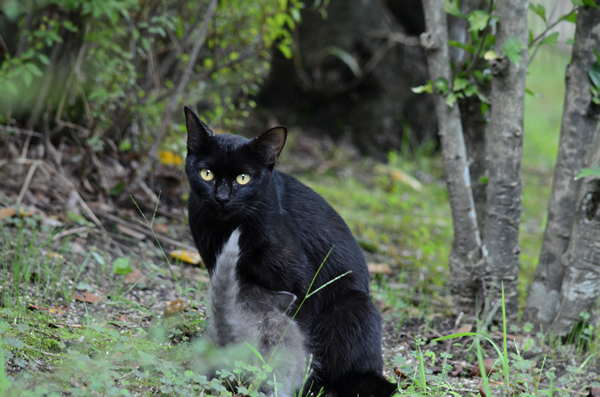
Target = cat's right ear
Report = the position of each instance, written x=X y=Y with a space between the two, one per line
x=283 y=300
x=198 y=133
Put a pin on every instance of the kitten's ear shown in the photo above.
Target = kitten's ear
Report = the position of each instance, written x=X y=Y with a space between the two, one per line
x=198 y=132
x=270 y=144
x=283 y=300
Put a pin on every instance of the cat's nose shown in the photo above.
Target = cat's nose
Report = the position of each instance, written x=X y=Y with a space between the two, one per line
x=222 y=196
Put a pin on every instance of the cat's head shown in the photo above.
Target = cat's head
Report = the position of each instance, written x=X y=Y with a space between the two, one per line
x=228 y=172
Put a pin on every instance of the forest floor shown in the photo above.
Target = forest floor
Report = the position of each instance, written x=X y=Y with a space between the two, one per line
x=98 y=298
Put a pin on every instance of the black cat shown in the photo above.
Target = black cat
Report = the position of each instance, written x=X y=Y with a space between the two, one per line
x=260 y=317
x=287 y=232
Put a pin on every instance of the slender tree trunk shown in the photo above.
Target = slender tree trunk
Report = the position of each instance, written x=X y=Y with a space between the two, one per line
x=474 y=126
x=581 y=280
x=505 y=144
x=466 y=233
x=580 y=118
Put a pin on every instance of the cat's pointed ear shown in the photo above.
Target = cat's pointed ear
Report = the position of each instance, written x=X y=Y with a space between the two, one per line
x=270 y=144
x=283 y=300
x=198 y=133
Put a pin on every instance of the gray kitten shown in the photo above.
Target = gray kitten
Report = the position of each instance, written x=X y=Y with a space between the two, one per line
x=257 y=316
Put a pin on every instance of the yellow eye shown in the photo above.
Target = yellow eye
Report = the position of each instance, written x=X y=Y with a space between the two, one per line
x=207 y=175
x=242 y=179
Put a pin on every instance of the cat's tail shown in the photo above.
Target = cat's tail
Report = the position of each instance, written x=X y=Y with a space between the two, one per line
x=224 y=292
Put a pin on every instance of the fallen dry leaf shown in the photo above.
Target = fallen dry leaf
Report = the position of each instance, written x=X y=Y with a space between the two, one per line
x=133 y=277
x=508 y=336
x=186 y=256
x=379 y=268
x=169 y=158
x=488 y=364
x=400 y=374
x=457 y=371
x=54 y=309
x=176 y=306
x=56 y=255
x=464 y=329
x=7 y=212
x=86 y=296
x=160 y=227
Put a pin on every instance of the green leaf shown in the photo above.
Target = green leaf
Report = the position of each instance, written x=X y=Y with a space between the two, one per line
x=117 y=189
x=590 y=3
x=551 y=40
x=570 y=17
x=484 y=108
x=451 y=99
x=442 y=85
x=345 y=57
x=453 y=8
x=27 y=77
x=533 y=94
x=478 y=20
x=256 y=352
x=594 y=74
x=460 y=83
x=13 y=342
x=43 y=58
x=98 y=258
x=570 y=42
x=594 y=171
x=459 y=44
x=423 y=88
x=512 y=49
x=539 y=9
x=597 y=55
x=121 y=266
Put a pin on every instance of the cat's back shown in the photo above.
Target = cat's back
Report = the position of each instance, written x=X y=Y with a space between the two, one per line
x=319 y=228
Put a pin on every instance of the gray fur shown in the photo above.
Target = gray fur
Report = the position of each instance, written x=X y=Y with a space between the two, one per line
x=258 y=316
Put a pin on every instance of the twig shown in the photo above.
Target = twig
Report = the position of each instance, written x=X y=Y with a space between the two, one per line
x=145 y=231
x=9 y=129
x=548 y=27
x=537 y=47
x=28 y=178
x=153 y=152
x=396 y=37
x=70 y=231
x=480 y=46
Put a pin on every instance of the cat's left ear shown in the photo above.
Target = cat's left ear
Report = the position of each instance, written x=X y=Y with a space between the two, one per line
x=198 y=132
x=270 y=144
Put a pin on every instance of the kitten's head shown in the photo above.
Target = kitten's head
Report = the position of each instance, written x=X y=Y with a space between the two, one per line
x=227 y=172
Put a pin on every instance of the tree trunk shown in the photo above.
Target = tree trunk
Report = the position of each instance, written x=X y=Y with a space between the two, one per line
x=505 y=146
x=580 y=118
x=474 y=126
x=581 y=281
x=466 y=233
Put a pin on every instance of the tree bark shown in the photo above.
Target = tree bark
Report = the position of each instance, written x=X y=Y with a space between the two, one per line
x=466 y=233
x=505 y=147
x=580 y=118
x=581 y=281
x=474 y=126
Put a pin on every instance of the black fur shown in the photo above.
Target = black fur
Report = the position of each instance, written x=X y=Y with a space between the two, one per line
x=288 y=231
